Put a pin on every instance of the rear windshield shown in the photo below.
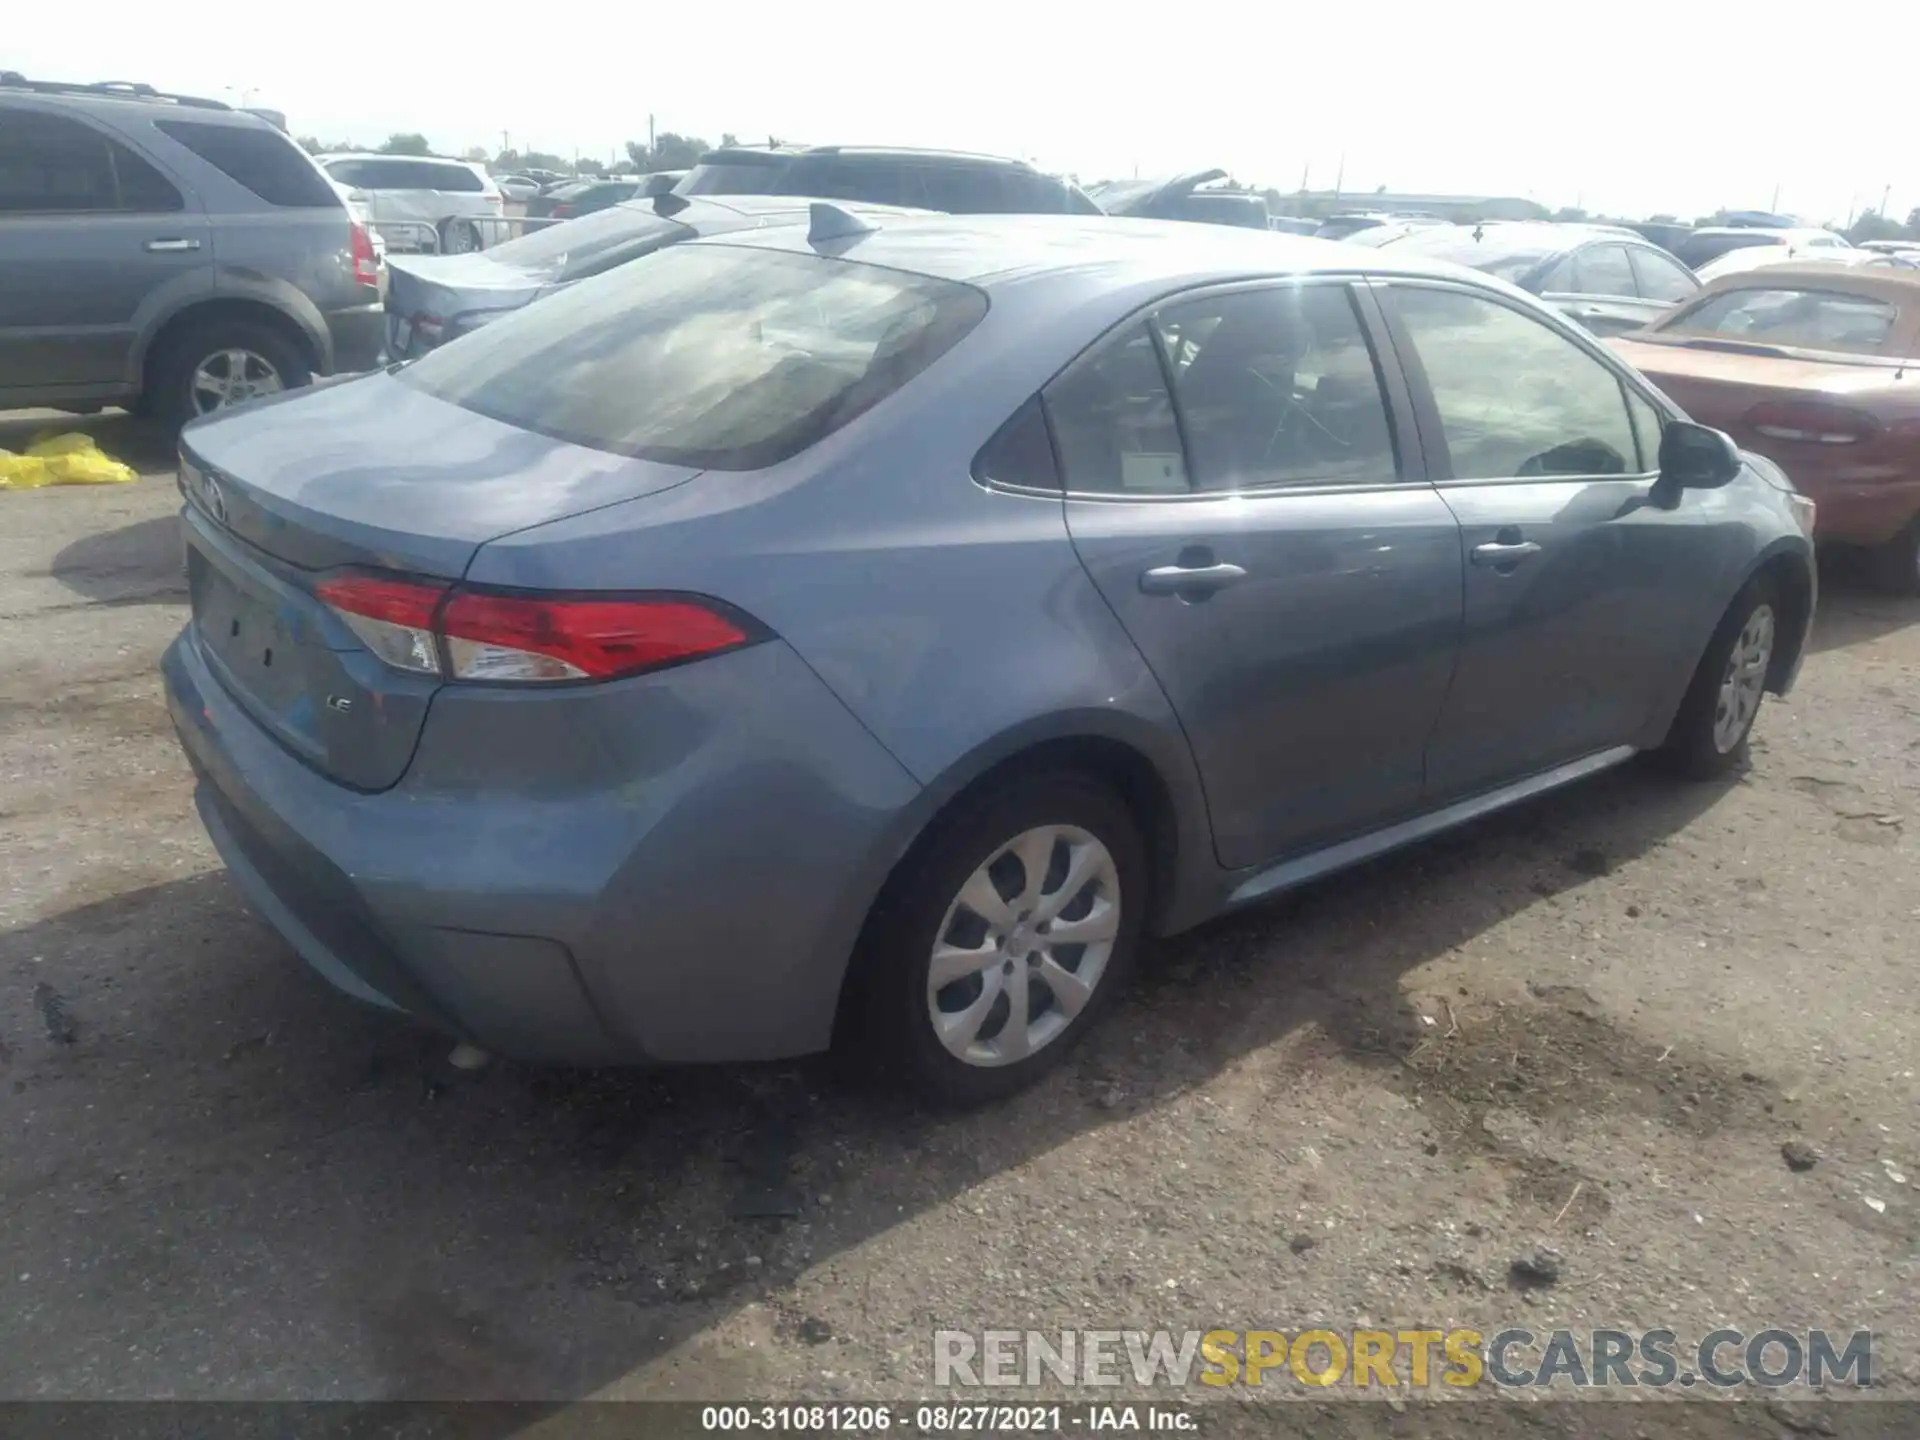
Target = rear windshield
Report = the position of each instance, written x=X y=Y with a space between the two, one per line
x=577 y=248
x=708 y=355
x=1805 y=319
x=735 y=175
x=260 y=158
x=1509 y=254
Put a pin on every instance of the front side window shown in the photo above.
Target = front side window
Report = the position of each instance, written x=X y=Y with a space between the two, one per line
x=1660 y=278
x=725 y=358
x=1515 y=397
x=1809 y=319
x=52 y=165
x=263 y=160
x=1603 y=270
x=1276 y=387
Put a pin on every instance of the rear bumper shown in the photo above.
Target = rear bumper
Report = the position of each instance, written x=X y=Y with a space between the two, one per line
x=359 y=338
x=706 y=916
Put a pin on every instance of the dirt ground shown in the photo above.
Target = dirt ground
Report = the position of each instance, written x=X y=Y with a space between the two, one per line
x=1590 y=1024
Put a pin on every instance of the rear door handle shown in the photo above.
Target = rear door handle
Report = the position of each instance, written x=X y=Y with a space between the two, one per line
x=1189 y=579
x=177 y=243
x=1499 y=555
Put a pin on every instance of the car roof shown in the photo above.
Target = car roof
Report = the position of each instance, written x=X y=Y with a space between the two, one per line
x=1717 y=230
x=990 y=250
x=473 y=165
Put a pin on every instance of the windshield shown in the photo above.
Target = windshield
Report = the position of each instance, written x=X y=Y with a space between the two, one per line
x=568 y=250
x=708 y=355
x=1808 y=319
x=1498 y=251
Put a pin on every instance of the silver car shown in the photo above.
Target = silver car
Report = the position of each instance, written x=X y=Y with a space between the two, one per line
x=877 y=629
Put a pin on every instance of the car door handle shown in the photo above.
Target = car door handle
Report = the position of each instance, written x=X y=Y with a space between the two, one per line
x=176 y=243
x=1189 y=579
x=1497 y=554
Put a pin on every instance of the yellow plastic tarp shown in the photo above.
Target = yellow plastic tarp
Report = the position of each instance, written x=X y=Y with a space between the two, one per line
x=69 y=459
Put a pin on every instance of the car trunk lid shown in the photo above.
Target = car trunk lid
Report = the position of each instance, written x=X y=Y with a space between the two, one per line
x=368 y=474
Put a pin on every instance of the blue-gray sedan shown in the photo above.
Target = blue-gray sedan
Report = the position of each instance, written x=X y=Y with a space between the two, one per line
x=873 y=630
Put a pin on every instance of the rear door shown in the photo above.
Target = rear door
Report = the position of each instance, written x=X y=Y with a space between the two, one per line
x=93 y=238
x=1242 y=487
x=1595 y=286
x=1547 y=458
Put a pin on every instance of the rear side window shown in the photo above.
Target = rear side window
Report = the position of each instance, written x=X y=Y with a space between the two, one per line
x=263 y=160
x=746 y=174
x=1021 y=452
x=1811 y=319
x=1276 y=387
x=1114 y=424
x=719 y=357
x=52 y=165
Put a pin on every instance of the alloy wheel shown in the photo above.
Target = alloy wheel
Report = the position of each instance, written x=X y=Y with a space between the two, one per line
x=227 y=377
x=1023 y=945
x=1744 y=679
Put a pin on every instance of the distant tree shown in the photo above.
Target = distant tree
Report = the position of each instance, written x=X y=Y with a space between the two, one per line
x=1913 y=223
x=677 y=152
x=638 y=156
x=728 y=140
x=310 y=144
x=541 y=160
x=406 y=144
x=1571 y=214
x=1875 y=226
x=314 y=146
x=477 y=154
x=1661 y=220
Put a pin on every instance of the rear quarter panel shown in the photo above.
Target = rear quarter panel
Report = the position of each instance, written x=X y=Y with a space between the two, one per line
x=956 y=622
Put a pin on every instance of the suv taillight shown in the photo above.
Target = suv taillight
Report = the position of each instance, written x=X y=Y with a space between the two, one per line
x=366 y=264
x=508 y=638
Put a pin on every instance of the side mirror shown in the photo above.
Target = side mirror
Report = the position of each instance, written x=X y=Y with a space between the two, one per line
x=1694 y=457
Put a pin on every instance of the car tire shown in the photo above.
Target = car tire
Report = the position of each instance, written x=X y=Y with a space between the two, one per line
x=1089 y=838
x=1895 y=566
x=459 y=237
x=175 y=396
x=1710 y=732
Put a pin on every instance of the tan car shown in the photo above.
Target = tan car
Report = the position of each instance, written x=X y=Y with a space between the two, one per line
x=1814 y=366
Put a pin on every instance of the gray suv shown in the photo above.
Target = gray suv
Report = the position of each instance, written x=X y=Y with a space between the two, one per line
x=169 y=254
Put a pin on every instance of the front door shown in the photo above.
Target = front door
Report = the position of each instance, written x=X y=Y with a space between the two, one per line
x=91 y=237
x=1234 y=491
x=1532 y=443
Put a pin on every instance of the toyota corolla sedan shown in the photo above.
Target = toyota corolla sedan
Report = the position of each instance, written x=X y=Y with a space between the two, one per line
x=873 y=631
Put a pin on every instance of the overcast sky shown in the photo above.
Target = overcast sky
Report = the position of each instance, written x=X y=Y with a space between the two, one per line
x=1631 y=106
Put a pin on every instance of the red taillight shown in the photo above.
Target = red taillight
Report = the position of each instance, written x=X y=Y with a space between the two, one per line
x=525 y=639
x=366 y=264
x=1812 y=422
x=561 y=212
x=513 y=637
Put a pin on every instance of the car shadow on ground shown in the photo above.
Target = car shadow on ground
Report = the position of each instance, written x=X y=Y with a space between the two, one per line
x=543 y=1233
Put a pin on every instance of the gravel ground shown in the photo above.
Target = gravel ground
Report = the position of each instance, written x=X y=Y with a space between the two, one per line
x=1591 y=1024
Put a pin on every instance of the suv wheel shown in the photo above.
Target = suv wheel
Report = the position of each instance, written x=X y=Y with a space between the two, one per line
x=221 y=363
x=1709 y=735
x=459 y=237
x=1011 y=933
